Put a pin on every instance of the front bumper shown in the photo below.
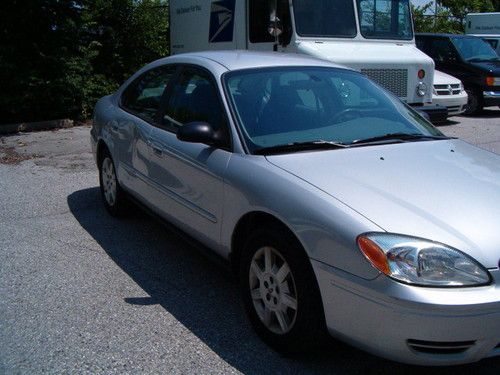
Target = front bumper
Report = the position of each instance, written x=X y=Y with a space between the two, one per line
x=454 y=103
x=424 y=326
x=491 y=98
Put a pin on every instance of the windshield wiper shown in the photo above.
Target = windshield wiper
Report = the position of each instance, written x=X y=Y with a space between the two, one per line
x=300 y=146
x=397 y=137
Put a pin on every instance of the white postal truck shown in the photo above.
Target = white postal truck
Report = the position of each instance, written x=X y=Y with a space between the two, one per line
x=372 y=36
x=485 y=26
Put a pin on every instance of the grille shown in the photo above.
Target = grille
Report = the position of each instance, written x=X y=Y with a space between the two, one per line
x=447 y=89
x=438 y=347
x=394 y=80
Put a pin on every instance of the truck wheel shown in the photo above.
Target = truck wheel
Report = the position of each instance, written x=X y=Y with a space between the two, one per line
x=280 y=292
x=474 y=103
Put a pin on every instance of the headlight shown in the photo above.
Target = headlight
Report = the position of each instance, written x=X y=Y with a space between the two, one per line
x=422 y=262
x=462 y=88
x=421 y=89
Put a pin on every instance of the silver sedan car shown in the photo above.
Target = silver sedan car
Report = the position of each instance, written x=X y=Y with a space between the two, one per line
x=340 y=209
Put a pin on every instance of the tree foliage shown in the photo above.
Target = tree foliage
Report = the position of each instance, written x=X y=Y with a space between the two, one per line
x=57 y=57
x=460 y=8
x=449 y=15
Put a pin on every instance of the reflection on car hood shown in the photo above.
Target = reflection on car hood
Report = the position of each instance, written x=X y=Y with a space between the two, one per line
x=446 y=191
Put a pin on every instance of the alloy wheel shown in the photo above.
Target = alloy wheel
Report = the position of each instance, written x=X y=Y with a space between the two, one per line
x=109 y=181
x=273 y=290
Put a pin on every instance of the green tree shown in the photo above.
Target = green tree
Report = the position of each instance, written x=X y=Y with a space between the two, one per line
x=59 y=56
x=460 y=8
x=449 y=15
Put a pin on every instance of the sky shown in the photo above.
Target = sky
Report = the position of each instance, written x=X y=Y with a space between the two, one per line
x=420 y=2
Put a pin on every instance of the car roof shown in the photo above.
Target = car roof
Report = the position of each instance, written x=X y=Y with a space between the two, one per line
x=242 y=59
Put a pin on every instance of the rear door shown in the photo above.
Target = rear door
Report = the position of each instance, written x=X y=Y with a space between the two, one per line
x=190 y=176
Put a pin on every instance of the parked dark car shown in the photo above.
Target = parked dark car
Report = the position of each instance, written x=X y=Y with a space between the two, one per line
x=470 y=59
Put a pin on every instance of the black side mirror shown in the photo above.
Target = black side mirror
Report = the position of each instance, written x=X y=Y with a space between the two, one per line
x=198 y=132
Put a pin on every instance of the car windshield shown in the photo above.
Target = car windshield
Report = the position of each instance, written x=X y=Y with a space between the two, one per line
x=474 y=49
x=325 y=18
x=298 y=105
x=385 y=19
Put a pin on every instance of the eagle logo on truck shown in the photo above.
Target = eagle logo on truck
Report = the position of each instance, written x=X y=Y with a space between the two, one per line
x=221 y=21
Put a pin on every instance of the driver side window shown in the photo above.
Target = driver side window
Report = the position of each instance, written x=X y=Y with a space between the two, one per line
x=263 y=17
x=194 y=98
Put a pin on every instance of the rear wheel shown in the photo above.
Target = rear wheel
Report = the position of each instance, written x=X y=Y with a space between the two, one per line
x=474 y=103
x=280 y=292
x=111 y=192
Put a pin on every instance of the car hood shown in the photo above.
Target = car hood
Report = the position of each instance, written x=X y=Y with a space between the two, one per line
x=441 y=78
x=446 y=190
x=492 y=67
x=366 y=54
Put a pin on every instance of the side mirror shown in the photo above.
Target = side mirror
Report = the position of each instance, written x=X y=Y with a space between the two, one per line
x=198 y=132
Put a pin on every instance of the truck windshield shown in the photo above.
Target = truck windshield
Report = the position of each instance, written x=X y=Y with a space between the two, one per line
x=385 y=19
x=325 y=18
x=474 y=49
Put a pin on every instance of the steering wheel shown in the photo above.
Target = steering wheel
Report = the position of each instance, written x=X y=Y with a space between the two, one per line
x=349 y=113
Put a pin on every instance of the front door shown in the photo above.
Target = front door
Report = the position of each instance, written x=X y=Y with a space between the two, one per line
x=190 y=176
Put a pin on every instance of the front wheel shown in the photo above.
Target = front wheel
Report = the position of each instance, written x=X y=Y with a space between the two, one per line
x=474 y=103
x=280 y=292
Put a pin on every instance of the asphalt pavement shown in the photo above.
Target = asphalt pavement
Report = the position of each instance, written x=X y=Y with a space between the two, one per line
x=82 y=292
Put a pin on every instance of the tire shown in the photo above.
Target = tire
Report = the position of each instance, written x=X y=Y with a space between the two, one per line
x=474 y=103
x=281 y=298
x=112 y=194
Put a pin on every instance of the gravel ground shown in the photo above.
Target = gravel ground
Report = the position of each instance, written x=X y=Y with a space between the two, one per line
x=81 y=292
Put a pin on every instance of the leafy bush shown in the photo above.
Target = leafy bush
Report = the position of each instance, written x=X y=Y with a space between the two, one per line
x=59 y=56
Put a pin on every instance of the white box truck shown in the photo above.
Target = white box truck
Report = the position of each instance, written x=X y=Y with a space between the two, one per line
x=486 y=26
x=372 y=36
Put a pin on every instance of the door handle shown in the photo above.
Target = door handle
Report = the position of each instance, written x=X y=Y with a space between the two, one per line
x=157 y=150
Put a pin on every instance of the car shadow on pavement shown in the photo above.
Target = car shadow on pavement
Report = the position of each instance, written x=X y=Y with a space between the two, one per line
x=490 y=112
x=202 y=296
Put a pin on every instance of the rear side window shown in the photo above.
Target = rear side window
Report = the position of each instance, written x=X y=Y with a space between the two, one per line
x=143 y=96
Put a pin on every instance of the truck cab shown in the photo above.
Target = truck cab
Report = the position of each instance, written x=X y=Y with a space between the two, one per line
x=372 y=36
